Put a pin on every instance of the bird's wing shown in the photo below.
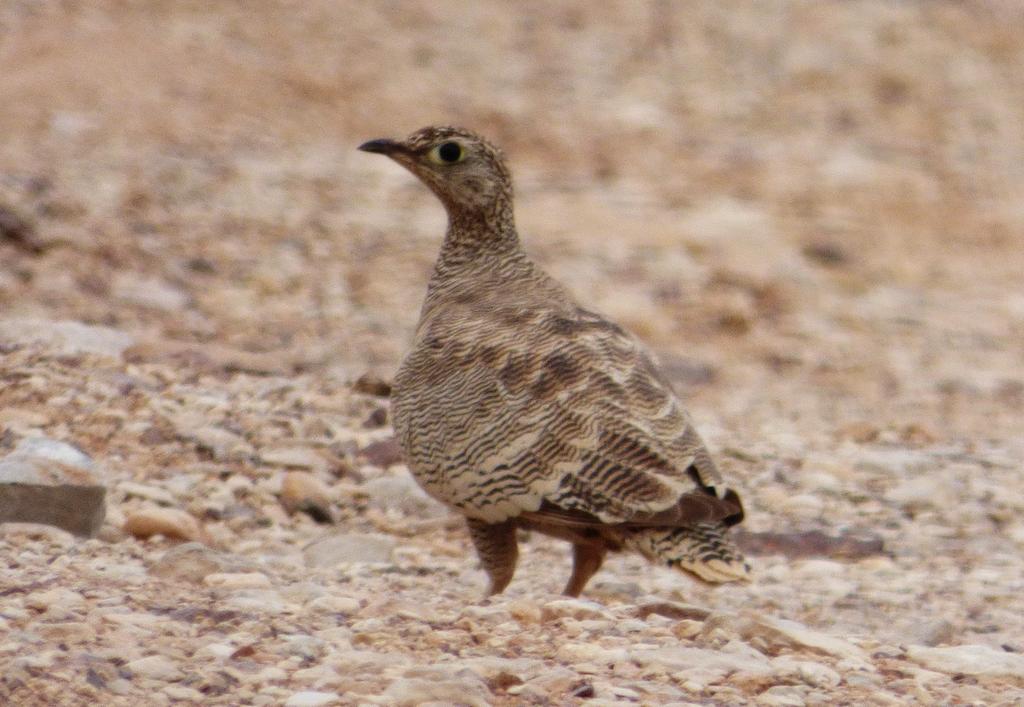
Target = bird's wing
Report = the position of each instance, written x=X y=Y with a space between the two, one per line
x=559 y=414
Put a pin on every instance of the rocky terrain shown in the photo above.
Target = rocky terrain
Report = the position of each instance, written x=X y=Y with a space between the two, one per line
x=810 y=211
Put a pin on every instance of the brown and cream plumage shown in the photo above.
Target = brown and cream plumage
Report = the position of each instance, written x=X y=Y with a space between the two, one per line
x=522 y=409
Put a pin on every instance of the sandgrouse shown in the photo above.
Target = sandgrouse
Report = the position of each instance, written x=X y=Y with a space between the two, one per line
x=522 y=409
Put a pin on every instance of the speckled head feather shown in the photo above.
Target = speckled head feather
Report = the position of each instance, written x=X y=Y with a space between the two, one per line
x=465 y=171
x=521 y=409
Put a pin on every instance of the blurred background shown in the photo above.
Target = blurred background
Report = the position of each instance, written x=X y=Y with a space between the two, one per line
x=825 y=192
x=812 y=211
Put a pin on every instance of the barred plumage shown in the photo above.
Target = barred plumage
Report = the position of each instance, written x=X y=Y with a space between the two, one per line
x=521 y=409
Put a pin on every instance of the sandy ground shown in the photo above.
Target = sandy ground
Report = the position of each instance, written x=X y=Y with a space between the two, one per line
x=811 y=211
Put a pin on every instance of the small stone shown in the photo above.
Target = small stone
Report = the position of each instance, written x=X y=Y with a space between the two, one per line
x=294 y=458
x=672 y=610
x=65 y=338
x=21 y=420
x=56 y=598
x=918 y=494
x=685 y=658
x=169 y=522
x=333 y=604
x=152 y=293
x=301 y=491
x=931 y=632
x=17 y=229
x=236 y=580
x=150 y=493
x=377 y=418
x=573 y=608
x=807 y=671
x=193 y=561
x=216 y=650
x=783 y=633
x=180 y=693
x=51 y=482
x=782 y=696
x=524 y=611
x=372 y=384
x=67 y=632
x=264 y=602
x=851 y=545
x=220 y=443
x=590 y=653
x=382 y=453
x=977 y=660
x=348 y=547
x=403 y=493
x=406 y=692
x=310 y=698
x=826 y=253
x=155 y=667
x=499 y=669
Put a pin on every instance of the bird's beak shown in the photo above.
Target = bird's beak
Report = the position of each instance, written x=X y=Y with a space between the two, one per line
x=383 y=146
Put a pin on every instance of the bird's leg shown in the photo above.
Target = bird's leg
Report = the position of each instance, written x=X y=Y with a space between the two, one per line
x=496 y=546
x=586 y=560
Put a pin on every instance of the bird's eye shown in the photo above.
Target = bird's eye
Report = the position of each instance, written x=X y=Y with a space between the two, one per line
x=447 y=153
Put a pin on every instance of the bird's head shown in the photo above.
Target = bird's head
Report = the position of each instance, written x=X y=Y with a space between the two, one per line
x=467 y=173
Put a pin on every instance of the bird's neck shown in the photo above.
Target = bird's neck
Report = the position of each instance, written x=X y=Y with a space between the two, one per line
x=479 y=233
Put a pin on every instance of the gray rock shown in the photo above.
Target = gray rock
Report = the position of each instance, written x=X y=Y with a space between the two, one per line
x=782 y=696
x=784 y=633
x=733 y=658
x=152 y=293
x=469 y=690
x=51 y=482
x=403 y=493
x=311 y=698
x=931 y=633
x=155 y=667
x=66 y=338
x=978 y=660
x=348 y=547
x=193 y=562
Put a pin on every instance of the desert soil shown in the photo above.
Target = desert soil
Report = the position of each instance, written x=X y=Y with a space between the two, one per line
x=812 y=212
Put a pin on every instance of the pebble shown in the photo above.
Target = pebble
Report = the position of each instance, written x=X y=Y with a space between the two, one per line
x=931 y=632
x=784 y=633
x=809 y=672
x=403 y=493
x=675 y=658
x=302 y=491
x=977 y=660
x=193 y=561
x=782 y=696
x=382 y=453
x=56 y=598
x=292 y=457
x=310 y=698
x=573 y=608
x=145 y=491
x=407 y=692
x=334 y=549
x=66 y=338
x=51 y=482
x=169 y=522
x=180 y=693
x=237 y=580
x=333 y=604
x=155 y=667
x=152 y=293
x=921 y=493
x=259 y=601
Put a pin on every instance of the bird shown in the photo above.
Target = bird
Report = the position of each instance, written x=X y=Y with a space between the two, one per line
x=522 y=409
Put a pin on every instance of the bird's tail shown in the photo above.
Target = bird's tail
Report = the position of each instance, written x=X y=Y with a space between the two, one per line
x=703 y=549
